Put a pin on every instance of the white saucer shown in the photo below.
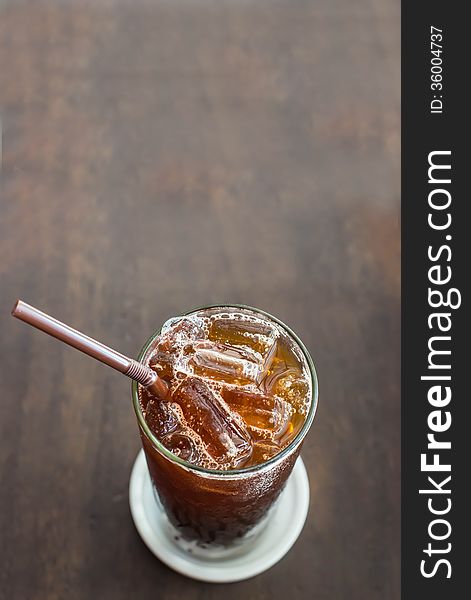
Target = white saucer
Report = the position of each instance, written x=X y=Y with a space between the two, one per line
x=283 y=526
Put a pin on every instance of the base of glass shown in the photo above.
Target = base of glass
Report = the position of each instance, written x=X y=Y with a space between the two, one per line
x=264 y=546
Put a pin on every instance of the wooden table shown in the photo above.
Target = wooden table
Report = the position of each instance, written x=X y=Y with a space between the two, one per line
x=160 y=155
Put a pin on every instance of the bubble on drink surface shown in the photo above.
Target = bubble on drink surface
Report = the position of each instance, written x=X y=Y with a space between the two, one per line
x=266 y=416
x=225 y=438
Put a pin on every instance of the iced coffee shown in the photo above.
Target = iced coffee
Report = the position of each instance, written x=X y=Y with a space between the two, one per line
x=222 y=443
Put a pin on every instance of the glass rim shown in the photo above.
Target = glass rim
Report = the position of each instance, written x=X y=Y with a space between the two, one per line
x=247 y=470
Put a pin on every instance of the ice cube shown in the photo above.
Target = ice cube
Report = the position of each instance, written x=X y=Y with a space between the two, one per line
x=291 y=385
x=175 y=333
x=162 y=363
x=263 y=450
x=224 y=437
x=183 y=446
x=160 y=417
x=267 y=416
x=183 y=328
x=224 y=363
x=257 y=335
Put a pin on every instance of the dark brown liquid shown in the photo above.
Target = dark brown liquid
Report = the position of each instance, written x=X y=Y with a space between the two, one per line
x=239 y=394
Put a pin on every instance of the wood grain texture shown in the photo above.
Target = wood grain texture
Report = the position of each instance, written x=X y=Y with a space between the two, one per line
x=161 y=155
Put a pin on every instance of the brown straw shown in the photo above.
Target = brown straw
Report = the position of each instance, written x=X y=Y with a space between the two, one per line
x=133 y=369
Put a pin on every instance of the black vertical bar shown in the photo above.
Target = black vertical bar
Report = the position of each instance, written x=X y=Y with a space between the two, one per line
x=423 y=132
